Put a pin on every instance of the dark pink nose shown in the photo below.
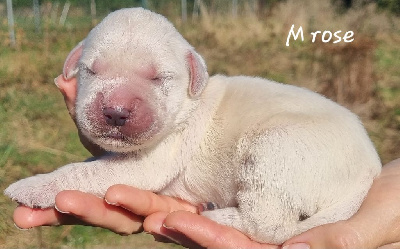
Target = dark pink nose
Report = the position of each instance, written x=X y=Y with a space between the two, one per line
x=116 y=116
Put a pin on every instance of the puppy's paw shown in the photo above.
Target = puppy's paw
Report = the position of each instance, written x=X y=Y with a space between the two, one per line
x=36 y=192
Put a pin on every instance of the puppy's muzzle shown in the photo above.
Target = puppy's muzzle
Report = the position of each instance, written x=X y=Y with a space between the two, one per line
x=116 y=116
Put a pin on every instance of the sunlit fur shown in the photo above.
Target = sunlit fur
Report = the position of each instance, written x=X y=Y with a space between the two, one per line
x=276 y=159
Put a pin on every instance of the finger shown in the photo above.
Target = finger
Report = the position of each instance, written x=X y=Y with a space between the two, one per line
x=367 y=229
x=376 y=223
x=96 y=212
x=392 y=167
x=337 y=235
x=208 y=233
x=26 y=218
x=68 y=88
x=154 y=224
x=144 y=202
x=391 y=246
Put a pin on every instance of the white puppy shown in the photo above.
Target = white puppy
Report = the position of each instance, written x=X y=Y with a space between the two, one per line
x=274 y=160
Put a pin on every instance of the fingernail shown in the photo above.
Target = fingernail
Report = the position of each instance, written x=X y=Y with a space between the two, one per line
x=22 y=229
x=55 y=82
x=297 y=246
x=169 y=228
x=111 y=203
x=61 y=211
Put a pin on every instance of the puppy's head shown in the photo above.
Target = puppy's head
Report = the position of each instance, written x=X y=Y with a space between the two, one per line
x=138 y=79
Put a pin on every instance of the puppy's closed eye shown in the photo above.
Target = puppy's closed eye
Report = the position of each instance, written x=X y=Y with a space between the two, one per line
x=86 y=70
x=163 y=76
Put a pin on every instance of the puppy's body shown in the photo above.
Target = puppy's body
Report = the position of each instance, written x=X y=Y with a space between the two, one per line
x=276 y=159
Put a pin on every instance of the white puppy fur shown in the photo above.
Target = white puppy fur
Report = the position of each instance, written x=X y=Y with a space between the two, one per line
x=275 y=159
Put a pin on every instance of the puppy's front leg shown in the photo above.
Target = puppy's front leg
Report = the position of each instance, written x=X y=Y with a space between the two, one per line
x=93 y=177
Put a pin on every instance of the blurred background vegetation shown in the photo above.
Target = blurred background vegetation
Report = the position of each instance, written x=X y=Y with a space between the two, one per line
x=235 y=37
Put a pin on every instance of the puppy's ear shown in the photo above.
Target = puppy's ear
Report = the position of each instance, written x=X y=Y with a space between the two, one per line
x=71 y=63
x=198 y=74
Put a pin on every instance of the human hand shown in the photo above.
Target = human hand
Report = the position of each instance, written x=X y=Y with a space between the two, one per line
x=68 y=89
x=195 y=231
x=131 y=211
x=123 y=216
x=376 y=224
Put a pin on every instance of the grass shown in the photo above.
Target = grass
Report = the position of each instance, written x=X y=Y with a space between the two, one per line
x=37 y=135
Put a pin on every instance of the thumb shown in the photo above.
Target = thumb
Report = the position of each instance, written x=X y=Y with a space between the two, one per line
x=377 y=222
x=374 y=225
x=340 y=235
x=68 y=89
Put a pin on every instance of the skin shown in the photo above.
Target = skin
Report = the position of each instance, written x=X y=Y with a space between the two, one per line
x=376 y=224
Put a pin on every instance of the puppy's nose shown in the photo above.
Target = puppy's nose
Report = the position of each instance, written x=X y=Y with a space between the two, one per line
x=116 y=116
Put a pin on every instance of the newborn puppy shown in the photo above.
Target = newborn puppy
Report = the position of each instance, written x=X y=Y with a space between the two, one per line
x=268 y=159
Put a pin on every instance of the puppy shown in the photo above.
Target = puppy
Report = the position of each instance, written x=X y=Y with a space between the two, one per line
x=269 y=159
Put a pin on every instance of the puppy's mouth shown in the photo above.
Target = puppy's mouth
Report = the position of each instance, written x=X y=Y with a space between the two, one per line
x=119 y=136
x=116 y=135
x=117 y=126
